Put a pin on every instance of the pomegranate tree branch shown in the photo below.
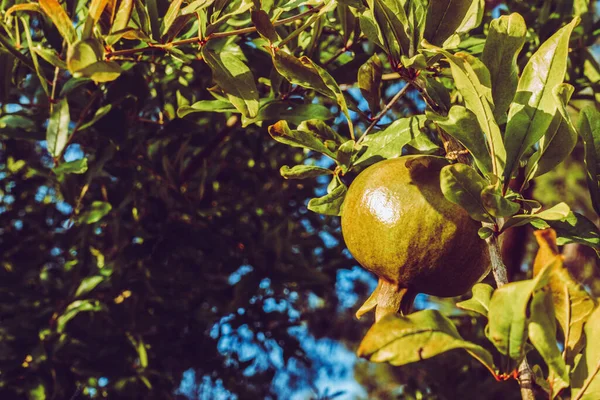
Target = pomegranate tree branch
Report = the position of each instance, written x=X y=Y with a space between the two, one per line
x=215 y=35
x=386 y=108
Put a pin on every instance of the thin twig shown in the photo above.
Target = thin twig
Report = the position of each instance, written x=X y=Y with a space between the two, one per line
x=387 y=108
x=215 y=35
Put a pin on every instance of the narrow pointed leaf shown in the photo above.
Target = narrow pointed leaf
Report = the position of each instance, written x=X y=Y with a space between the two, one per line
x=558 y=141
x=171 y=15
x=472 y=81
x=57 y=133
x=60 y=19
x=502 y=46
x=303 y=171
x=534 y=106
x=556 y=213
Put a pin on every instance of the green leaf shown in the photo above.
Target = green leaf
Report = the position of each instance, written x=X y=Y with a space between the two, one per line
x=264 y=26
x=298 y=138
x=369 y=82
x=480 y=301
x=589 y=129
x=36 y=392
x=94 y=12
x=291 y=112
x=84 y=53
x=22 y=7
x=206 y=106
x=98 y=115
x=575 y=228
x=95 y=213
x=436 y=91
x=303 y=171
x=585 y=380
x=73 y=84
x=57 y=133
x=389 y=142
x=235 y=78
x=534 y=106
x=170 y=15
x=462 y=185
x=496 y=204
x=17 y=126
x=391 y=25
x=304 y=72
x=418 y=336
x=542 y=334
x=462 y=124
x=121 y=20
x=472 y=81
x=502 y=46
x=331 y=203
x=507 y=315
x=88 y=284
x=75 y=308
x=72 y=167
x=101 y=71
x=60 y=19
x=558 y=141
x=50 y=55
x=445 y=18
x=344 y=155
x=556 y=213
x=39 y=72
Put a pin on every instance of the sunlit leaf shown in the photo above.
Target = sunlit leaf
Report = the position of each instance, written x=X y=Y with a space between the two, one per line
x=76 y=307
x=508 y=314
x=418 y=336
x=586 y=375
x=479 y=302
x=556 y=213
x=502 y=46
x=331 y=203
x=61 y=20
x=72 y=167
x=303 y=171
x=96 y=211
x=57 y=133
x=446 y=18
x=235 y=78
x=534 y=106
x=88 y=284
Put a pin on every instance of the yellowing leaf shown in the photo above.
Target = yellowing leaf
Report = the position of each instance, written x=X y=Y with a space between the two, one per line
x=61 y=20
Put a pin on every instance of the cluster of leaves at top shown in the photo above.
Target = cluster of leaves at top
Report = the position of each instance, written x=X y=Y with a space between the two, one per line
x=514 y=124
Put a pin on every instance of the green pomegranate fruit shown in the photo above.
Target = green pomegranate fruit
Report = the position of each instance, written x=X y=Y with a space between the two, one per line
x=397 y=224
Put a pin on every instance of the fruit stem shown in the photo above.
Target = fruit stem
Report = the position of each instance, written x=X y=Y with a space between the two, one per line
x=392 y=299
